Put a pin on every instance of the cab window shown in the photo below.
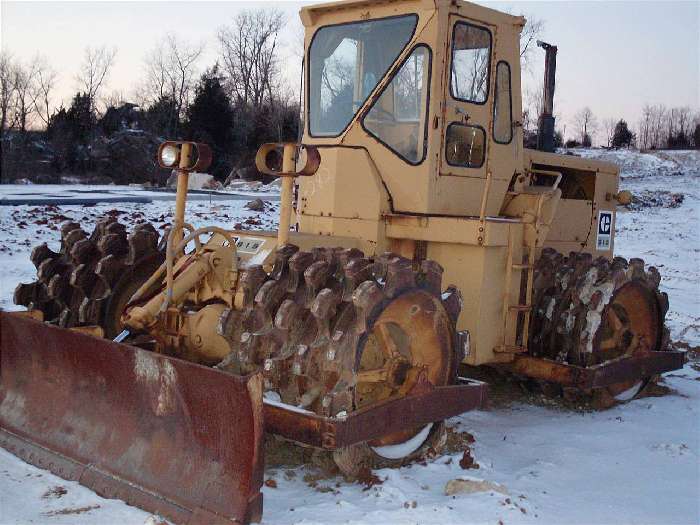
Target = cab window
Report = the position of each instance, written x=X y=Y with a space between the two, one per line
x=346 y=62
x=502 y=107
x=465 y=145
x=398 y=117
x=471 y=58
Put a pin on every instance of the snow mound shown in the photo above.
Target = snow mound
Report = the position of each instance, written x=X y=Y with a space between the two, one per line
x=633 y=163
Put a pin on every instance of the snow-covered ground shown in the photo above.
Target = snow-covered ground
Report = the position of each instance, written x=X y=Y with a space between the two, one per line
x=23 y=227
x=666 y=237
x=78 y=194
x=542 y=463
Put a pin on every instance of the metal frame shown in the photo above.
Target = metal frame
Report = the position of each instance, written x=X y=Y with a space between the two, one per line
x=599 y=376
x=425 y=404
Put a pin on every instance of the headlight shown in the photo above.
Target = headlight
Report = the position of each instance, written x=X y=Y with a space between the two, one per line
x=169 y=156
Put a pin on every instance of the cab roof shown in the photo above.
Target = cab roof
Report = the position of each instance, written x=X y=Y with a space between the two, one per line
x=310 y=14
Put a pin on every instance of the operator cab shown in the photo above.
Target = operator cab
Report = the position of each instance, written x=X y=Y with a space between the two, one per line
x=427 y=89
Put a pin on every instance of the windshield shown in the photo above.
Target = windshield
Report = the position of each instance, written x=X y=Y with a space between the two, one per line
x=347 y=62
x=398 y=116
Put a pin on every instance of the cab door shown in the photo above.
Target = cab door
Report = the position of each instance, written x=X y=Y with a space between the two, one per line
x=479 y=125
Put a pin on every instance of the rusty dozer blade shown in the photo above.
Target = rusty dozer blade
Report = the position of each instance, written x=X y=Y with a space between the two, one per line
x=166 y=435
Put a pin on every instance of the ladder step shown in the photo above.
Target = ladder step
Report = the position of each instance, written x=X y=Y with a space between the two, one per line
x=521 y=307
x=510 y=349
x=522 y=266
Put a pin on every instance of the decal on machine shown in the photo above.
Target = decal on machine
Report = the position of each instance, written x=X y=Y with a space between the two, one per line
x=249 y=244
x=605 y=227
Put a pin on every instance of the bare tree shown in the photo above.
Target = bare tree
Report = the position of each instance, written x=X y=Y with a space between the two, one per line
x=645 y=127
x=685 y=119
x=7 y=91
x=45 y=83
x=171 y=71
x=662 y=127
x=115 y=99
x=249 y=55
x=658 y=121
x=609 y=126
x=97 y=63
x=25 y=94
x=533 y=100
x=671 y=121
x=586 y=123
x=157 y=83
x=680 y=120
x=533 y=30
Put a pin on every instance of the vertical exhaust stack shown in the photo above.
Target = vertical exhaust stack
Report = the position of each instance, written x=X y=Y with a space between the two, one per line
x=545 y=125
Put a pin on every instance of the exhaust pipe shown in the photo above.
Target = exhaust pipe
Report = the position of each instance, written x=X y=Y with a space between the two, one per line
x=545 y=124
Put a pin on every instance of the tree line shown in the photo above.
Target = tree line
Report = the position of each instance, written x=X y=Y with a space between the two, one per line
x=239 y=102
x=658 y=127
x=234 y=105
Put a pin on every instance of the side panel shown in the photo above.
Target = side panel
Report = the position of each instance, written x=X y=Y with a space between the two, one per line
x=345 y=197
x=476 y=258
x=572 y=223
x=588 y=187
x=480 y=274
x=346 y=185
x=606 y=187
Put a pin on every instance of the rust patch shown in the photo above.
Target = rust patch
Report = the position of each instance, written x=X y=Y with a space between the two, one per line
x=132 y=425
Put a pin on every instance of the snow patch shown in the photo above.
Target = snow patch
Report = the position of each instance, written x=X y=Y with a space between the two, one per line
x=550 y=308
x=593 y=316
x=271 y=395
x=158 y=373
x=401 y=450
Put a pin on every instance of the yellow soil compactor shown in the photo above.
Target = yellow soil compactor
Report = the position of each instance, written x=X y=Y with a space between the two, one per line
x=424 y=237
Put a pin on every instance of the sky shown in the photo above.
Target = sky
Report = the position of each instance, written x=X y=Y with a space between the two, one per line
x=614 y=56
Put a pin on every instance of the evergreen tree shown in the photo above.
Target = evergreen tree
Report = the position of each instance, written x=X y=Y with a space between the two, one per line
x=81 y=118
x=622 y=137
x=696 y=136
x=210 y=118
x=678 y=141
x=70 y=131
x=117 y=118
x=162 y=118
